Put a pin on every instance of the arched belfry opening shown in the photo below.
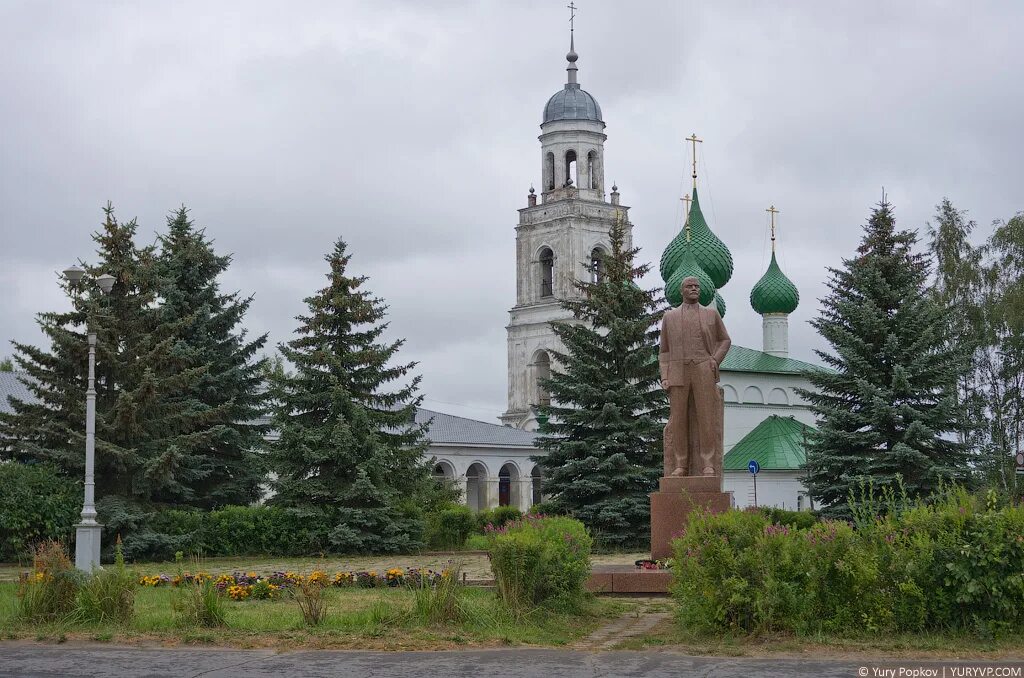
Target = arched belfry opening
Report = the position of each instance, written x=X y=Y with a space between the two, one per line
x=549 y=171
x=592 y=169
x=547 y=272
x=570 y=168
x=542 y=371
x=596 y=265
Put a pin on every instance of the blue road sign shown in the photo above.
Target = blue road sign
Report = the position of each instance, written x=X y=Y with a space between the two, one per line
x=753 y=466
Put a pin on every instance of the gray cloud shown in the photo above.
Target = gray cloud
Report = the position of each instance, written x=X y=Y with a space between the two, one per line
x=410 y=129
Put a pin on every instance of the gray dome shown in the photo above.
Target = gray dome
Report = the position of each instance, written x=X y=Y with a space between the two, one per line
x=572 y=103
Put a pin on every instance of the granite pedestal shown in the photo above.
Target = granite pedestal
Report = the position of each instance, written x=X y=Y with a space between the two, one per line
x=672 y=504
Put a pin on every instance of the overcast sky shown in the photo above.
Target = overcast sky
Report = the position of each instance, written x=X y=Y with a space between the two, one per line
x=411 y=130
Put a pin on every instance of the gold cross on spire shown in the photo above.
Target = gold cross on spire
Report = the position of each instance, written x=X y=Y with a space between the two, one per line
x=772 y=211
x=572 y=15
x=694 y=141
x=686 y=214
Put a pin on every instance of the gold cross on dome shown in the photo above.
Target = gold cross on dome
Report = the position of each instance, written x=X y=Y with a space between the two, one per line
x=694 y=141
x=772 y=211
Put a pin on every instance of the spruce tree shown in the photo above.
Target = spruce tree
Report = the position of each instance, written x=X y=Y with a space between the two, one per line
x=349 y=445
x=220 y=411
x=604 y=430
x=138 y=374
x=888 y=407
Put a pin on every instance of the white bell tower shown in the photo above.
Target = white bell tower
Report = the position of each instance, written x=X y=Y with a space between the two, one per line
x=556 y=239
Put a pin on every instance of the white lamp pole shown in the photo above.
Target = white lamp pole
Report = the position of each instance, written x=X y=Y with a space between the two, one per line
x=88 y=533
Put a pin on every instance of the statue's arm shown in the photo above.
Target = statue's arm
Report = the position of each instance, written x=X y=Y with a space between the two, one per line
x=724 y=342
x=663 y=352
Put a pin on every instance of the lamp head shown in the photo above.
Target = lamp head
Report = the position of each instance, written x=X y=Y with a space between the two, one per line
x=74 y=274
x=106 y=283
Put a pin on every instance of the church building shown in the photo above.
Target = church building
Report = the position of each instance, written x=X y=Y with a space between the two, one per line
x=559 y=234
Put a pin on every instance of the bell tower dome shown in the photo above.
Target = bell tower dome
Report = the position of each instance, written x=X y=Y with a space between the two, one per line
x=557 y=240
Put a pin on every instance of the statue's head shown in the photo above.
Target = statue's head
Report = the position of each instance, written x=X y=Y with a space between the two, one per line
x=690 y=288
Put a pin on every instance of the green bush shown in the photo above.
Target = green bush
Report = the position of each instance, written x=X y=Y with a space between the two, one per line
x=197 y=602
x=535 y=560
x=230 y=531
x=802 y=520
x=497 y=517
x=448 y=528
x=36 y=503
x=950 y=564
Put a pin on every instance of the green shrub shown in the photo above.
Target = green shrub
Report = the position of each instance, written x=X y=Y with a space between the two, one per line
x=477 y=542
x=802 y=520
x=37 y=503
x=954 y=563
x=50 y=591
x=108 y=594
x=230 y=531
x=535 y=560
x=497 y=517
x=448 y=528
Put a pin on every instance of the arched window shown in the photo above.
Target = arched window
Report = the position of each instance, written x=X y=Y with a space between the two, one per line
x=549 y=171
x=508 y=486
x=570 y=167
x=547 y=272
x=542 y=368
x=476 y=487
x=592 y=168
x=596 y=266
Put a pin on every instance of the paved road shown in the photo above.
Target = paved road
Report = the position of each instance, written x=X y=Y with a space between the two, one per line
x=28 y=661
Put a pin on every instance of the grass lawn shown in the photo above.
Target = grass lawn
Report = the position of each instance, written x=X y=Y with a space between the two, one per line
x=380 y=618
x=671 y=637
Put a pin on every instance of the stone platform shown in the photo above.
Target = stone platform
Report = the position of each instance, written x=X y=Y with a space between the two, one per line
x=675 y=499
x=627 y=578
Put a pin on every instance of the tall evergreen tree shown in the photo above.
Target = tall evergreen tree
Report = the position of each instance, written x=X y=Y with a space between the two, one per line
x=138 y=415
x=889 y=407
x=349 y=444
x=604 y=433
x=219 y=426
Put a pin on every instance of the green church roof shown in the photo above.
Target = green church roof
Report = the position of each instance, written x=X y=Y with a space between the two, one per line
x=741 y=359
x=711 y=253
x=777 y=444
x=774 y=292
x=686 y=268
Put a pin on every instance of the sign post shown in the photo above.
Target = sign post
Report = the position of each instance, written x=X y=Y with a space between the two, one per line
x=754 y=467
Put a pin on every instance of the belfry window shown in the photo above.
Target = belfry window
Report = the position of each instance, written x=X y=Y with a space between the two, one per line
x=547 y=272
x=542 y=365
x=549 y=171
x=591 y=167
x=570 y=167
x=596 y=266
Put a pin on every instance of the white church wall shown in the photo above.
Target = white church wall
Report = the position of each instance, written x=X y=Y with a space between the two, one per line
x=781 y=489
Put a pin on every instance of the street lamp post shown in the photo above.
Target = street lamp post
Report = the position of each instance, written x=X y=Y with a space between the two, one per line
x=88 y=533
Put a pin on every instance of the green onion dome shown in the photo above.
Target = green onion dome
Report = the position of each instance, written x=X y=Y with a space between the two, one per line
x=719 y=303
x=774 y=292
x=688 y=267
x=711 y=253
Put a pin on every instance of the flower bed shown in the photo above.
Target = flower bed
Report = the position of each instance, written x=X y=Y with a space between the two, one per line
x=250 y=585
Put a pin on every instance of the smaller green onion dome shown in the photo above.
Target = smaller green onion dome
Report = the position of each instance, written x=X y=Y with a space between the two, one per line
x=711 y=253
x=774 y=292
x=688 y=267
x=719 y=303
